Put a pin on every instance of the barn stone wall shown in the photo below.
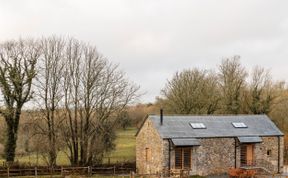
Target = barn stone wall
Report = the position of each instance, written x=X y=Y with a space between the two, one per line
x=270 y=162
x=148 y=138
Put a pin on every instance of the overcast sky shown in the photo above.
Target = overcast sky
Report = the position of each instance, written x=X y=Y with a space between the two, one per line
x=152 y=39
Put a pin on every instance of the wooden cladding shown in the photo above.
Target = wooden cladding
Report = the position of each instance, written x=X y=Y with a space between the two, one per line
x=183 y=158
x=247 y=154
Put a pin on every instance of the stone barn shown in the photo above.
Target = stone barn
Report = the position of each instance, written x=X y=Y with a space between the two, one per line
x=206 y=145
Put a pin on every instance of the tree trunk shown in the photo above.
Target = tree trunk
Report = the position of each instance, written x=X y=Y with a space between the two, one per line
x=12 y=129
x=10 y=144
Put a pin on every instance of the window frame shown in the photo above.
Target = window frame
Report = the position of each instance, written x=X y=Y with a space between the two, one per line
x=182 y=162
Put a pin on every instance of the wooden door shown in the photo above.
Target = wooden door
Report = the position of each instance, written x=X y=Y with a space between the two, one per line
x=183 y=158
x=249 y=155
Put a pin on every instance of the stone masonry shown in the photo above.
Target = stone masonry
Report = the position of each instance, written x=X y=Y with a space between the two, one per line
x=148 y=138
x=270 y=162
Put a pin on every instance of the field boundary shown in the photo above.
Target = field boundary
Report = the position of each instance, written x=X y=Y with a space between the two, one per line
x=67 y=170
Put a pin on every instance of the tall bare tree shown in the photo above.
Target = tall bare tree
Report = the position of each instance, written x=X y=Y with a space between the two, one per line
x=49 y=92
x=72 y=76
x=95 y=92
x=232 y=78
x=17 y=71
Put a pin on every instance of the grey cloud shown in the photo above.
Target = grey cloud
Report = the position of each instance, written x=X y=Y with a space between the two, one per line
x=151 y=40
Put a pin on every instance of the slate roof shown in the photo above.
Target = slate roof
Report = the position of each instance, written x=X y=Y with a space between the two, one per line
x=216 y=126
x=185 y=141
x=250 y=139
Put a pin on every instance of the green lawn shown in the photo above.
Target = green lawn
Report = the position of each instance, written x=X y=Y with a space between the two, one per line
x=125 y=147
x=125 y=151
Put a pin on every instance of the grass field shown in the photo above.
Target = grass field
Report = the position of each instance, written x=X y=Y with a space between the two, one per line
x=125 y=147
x=125 y=151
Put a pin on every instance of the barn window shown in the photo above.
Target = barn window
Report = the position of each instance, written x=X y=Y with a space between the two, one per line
x=198 y=126
x=147 y=154
x=239 y=125
x=269 y=152
x=183 y=158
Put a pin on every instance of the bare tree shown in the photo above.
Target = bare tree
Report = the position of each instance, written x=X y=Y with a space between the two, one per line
x=17 y=71
x=192 y=92
x=49 y=92
x=72 y=76
x=95 y=92
x=232 y=78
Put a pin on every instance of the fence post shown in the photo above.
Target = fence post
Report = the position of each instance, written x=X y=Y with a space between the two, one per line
x=61 y=170
x=114 y=170
x=89 y=171
x=8 y=172
x=36 y=174
x=132 y=174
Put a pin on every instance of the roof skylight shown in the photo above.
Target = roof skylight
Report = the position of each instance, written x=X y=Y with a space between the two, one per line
x=198 y=126
x=239 y=125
